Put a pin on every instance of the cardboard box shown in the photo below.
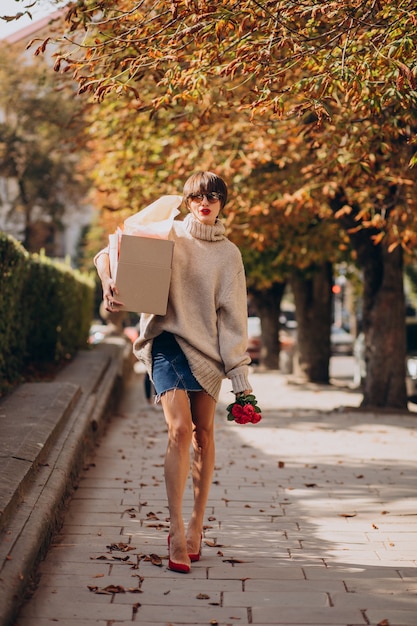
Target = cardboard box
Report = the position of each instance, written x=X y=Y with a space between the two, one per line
x=144 y=274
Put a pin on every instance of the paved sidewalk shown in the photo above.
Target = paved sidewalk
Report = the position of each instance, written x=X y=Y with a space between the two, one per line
x=312 y=520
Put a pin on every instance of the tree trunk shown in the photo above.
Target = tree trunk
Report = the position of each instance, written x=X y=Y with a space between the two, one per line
x=313 y=303
x=383 y=315
x=267 y=304
x=384 y=328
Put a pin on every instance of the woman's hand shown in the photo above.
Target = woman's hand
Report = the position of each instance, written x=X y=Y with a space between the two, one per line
x=109 y=293
x=247 y=392
x=108 y=284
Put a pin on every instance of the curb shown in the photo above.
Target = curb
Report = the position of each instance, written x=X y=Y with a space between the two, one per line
x=33 y=501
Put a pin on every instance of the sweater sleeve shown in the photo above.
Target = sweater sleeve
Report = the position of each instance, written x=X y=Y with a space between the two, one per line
x=233 y=333
x=99 y=253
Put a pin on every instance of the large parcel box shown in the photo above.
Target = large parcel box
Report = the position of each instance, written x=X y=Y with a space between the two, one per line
x=144 y=274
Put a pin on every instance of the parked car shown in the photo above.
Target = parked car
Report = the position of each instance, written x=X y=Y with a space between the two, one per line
x=98 y=332
x=359 y=365
x=341 y=341
x=286 y=339
x=411 y=358
x=287 y=318
x=254 y=339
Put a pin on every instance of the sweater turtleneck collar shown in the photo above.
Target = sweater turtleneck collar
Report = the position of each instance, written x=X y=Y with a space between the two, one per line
x=204 y=231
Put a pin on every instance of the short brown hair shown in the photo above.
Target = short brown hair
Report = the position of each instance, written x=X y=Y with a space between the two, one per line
x=205 y=182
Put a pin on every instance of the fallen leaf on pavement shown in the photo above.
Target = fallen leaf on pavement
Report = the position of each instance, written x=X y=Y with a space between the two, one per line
x=115 y=589
x=212 y=543
x=159 y=526
x=154 y=559
x=121 y=547
x=152 y=516
x=102 y=557
x=109 y=590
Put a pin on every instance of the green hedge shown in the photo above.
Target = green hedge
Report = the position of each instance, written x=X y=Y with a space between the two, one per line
x=45 y=311
x=14 y=267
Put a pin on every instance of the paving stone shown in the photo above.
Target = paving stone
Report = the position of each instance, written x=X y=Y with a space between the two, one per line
x=389 y=585
x=50 y=566
x=98 y=530
x=276 y=599
x=238 y=572
x=306 y=615
x=316 y=572
x=393 y=617
x=286 y=550
x=36 y=621
x=371 y=599
x=55 y=608
x=288 y=585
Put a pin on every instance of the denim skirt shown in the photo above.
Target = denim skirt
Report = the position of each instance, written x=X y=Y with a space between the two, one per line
x=170 y=368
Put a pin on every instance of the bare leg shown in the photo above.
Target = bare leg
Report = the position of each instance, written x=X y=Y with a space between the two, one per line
x=203 y=408
x=177 y=413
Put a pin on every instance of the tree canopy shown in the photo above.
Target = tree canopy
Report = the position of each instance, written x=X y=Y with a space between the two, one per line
x=366 y=48
x=308 y=109
x=39 y=151
x=344 y=73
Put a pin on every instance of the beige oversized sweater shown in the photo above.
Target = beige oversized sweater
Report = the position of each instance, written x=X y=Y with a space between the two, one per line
x=207 y=307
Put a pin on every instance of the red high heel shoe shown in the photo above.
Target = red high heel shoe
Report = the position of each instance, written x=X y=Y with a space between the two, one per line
x=182 y=568
x=196 y=557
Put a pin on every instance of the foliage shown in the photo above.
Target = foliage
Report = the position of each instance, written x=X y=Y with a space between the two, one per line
x=13 y=316
x=45 y=311
x=340 y=76
x=63 y=300
x=344 y=74
x=308 y=109
x=270 y=215
x=40 y=148
x=411 y=286
x=183 y=44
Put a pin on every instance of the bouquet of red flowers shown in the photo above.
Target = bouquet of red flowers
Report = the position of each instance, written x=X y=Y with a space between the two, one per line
x=244 y=410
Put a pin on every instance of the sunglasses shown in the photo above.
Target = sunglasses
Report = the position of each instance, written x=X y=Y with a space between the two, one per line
x=211 y=197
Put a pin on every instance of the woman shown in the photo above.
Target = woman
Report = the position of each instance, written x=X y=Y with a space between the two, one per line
x=189 y=351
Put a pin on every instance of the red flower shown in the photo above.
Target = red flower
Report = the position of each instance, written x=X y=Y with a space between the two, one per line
x=244 y=410
x=237 y=411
